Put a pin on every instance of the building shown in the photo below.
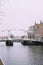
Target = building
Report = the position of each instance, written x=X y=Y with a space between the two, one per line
x=37 y=30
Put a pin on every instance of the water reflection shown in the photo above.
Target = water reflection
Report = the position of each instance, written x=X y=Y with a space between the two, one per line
x=21 y=55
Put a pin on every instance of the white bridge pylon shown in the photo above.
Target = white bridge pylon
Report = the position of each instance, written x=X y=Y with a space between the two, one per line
x=8 y=31
x=26 y=31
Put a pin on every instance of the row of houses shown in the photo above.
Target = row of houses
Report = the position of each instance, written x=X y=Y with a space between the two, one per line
x=36 y=30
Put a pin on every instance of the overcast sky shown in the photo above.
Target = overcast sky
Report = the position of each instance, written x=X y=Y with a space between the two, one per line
x=21 y=13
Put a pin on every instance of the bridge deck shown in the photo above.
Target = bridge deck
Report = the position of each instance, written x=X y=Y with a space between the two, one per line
x=18 y=39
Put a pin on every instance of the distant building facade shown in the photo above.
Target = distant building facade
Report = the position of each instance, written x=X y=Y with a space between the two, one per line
x=37 y=30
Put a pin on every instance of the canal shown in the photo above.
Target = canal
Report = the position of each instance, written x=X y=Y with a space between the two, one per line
x=21 y=55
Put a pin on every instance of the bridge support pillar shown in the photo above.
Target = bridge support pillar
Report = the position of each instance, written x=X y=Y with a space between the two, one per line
x=24 y=42
x=27 y=43
x=9 y=43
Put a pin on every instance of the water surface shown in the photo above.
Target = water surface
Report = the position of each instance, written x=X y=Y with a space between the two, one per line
x=21 y=55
